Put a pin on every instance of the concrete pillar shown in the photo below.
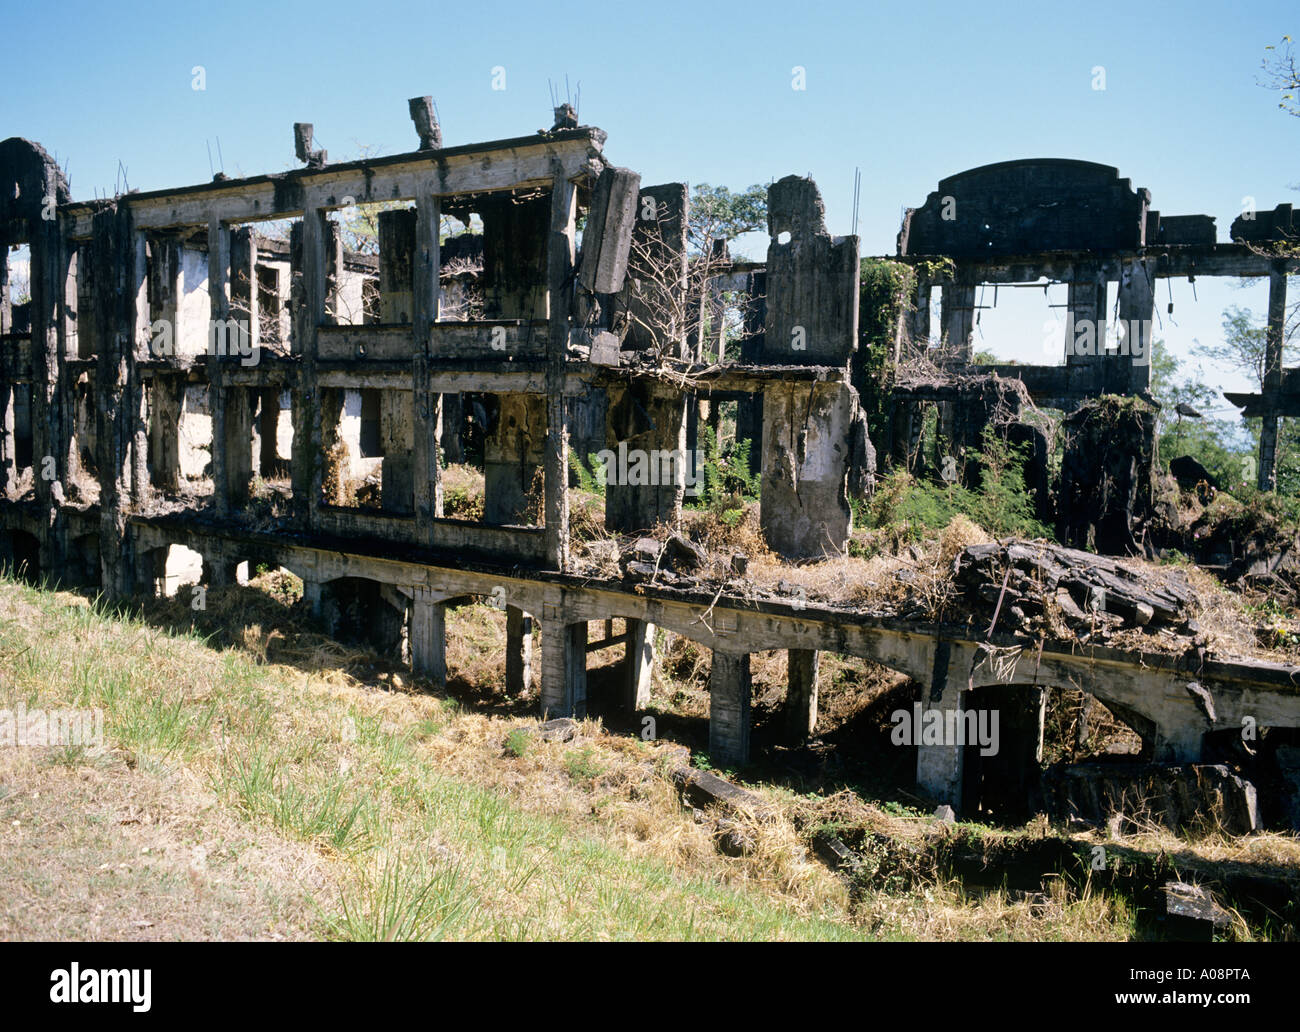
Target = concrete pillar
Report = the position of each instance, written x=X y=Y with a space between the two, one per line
x=801 y=697
x=959 y=319
x=243 y=284
x=1179 y=741
x=519 y=651
x=921 y=316
x=396 y=264
x=150 y=573
x=1130 y=371
x=135 y=402
x=812 y=280
x=560 y=253
x=729 y=696
x=1267 y=475
x=512 y=454
x=426 y=473
x=165 y=397
x=939 y=767
x=237 y=444
x=268 y=427
x=639 y=664
x=1085 y=326
x=116 y=387
x=804 y=510
x=8 y=437
x=311 y=594
x=564 y=668
x=645 y=435
x=429 y=637
x=397 y=438
x=310 y=269
x=165 y=282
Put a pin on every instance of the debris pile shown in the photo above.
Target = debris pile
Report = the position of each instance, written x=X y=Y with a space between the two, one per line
x=1017 y=585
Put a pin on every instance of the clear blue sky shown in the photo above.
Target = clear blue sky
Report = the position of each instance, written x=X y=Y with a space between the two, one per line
x=909 y=92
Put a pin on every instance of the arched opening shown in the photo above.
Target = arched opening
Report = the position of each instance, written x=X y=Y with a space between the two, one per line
x=20 y=555
x=83 y=560
x=358 y=611
x=1003 y=752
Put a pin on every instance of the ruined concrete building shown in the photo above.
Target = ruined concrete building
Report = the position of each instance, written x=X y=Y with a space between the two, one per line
x=1079 y=223
x=185 y=379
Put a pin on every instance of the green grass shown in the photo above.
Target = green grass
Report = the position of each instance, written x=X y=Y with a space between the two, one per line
x=415 y=853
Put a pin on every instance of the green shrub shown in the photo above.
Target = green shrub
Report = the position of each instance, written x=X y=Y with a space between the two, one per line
x=518 y=741
x=591 y=477
x=1001 y=504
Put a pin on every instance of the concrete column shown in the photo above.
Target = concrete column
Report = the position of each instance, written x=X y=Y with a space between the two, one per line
x=165 y=281
x=164 y=432
x=921 y=316
x=729 y=695
x=1130 y=371
x=397 y=437
x=564 y=668
x=219 y=573
x=307 y=245
x=646 y=435
x=112 y=248
x=396 y=262
x=268 y=427
x=8 y=438
x=1267 y=475
x=640 y=663
x=1085 y=327
x=959 y=319
x=238 y=443
x=429 y=638
x=801 y=697
x=243 y=285
x=135 y=402
x=939 y=767
x=1179 y=740
x=426 y=473
x=559 y=280
x=804 y=511
x=311 y=593
x=151 y=572
x=519 y=651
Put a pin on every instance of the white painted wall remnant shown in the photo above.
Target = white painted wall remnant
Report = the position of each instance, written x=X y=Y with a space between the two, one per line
x=195 y=431
x=193 y=311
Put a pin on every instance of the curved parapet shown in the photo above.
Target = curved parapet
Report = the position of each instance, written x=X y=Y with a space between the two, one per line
x=1027 y=207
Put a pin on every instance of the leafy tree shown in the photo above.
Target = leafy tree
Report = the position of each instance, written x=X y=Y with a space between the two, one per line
x=1210 y=441
x=1243 y=346
x=719 y=214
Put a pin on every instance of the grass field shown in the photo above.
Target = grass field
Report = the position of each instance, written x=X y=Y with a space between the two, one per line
x=264 y=782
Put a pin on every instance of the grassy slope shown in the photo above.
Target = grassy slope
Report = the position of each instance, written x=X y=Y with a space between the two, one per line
x=340 y=793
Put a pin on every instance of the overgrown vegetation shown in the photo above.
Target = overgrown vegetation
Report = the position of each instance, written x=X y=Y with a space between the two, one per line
x=1002 y=505
x=885 y=291
x=724 y=481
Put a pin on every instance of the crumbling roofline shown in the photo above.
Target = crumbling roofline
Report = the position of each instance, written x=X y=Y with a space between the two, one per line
x=310 y=176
